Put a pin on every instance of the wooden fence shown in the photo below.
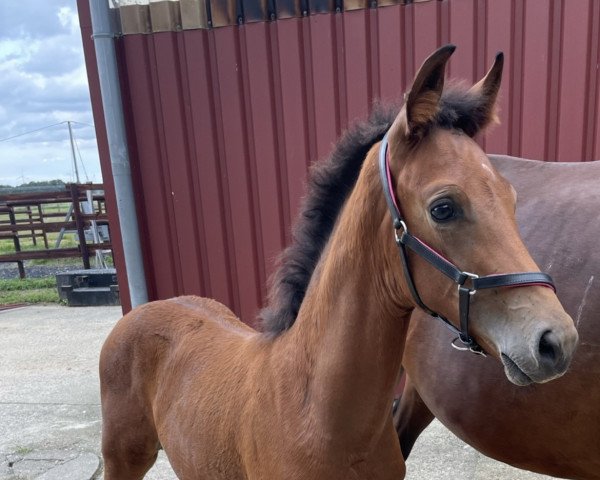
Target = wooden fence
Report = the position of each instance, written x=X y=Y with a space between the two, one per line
x=28 y=216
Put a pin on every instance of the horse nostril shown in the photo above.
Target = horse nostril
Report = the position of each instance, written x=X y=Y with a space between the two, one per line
x=548 y=347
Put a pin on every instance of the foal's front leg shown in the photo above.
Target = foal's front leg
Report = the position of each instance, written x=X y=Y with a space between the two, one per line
x=129 y=440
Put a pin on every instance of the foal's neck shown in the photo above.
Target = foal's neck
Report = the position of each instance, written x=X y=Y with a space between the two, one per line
x=349 y=336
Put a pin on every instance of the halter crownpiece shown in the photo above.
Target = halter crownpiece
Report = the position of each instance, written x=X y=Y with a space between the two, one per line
x=404 y=239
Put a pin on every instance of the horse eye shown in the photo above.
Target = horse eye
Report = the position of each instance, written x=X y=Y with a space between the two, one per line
x=443 y=211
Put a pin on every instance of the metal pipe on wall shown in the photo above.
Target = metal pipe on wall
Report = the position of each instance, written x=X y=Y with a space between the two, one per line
x=103 y=35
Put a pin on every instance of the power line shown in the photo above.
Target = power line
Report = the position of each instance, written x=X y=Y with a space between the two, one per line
x=31 y=131
x=43 y=128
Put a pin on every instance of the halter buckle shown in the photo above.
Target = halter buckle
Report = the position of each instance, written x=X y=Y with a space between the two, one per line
x=472 y=276
x=476 y=349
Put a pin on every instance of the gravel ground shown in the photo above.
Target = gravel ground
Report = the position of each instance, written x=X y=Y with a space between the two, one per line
x=9 y=271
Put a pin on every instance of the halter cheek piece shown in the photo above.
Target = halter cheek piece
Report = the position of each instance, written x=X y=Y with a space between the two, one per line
x=405 y=240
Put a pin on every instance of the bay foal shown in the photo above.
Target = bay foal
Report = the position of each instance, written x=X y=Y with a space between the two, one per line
x=313 y=401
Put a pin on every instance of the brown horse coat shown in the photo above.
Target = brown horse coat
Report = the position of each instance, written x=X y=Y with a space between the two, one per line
x=313 y=401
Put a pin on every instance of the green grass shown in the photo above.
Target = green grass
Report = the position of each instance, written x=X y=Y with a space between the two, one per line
x=39 y=290
x=68 y=241
x=27 y=284
x=7 y=245
x=28 y=290
x=43 y=295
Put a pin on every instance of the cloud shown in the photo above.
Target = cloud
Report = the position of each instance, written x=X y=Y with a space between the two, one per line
x=43 y=82
x=33 y=18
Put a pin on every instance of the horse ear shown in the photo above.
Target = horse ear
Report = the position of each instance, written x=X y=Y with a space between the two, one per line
x=487 y=90
x=422 y=102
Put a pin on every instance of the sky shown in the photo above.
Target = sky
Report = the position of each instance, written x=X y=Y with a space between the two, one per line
x=43 y=82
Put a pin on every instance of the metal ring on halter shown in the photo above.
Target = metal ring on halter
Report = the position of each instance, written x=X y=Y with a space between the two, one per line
x=472 y=276
x=402 y=226
x=467 y=348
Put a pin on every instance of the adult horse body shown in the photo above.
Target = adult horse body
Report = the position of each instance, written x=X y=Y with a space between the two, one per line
x=313 y=400
x=553 y=428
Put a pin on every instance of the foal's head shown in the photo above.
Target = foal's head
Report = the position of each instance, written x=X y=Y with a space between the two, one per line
x=453 y=199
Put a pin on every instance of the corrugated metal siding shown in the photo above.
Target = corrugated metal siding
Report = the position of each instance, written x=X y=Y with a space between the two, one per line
x=224 y=122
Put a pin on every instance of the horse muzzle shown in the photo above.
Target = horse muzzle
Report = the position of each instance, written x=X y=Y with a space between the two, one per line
x=546 y=358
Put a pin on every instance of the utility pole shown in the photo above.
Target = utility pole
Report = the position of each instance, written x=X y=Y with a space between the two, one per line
x=73 y=151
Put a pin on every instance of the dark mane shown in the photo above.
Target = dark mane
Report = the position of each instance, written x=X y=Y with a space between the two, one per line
x=329 y=183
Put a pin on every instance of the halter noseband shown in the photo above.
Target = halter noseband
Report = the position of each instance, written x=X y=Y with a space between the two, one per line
x=404 y=239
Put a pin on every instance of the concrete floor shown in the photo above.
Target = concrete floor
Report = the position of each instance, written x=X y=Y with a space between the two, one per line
x=50 y=412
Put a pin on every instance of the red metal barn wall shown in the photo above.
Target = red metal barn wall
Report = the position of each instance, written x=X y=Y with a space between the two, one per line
x=223 y=122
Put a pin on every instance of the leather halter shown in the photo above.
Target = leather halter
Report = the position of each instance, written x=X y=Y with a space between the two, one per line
x=404 y=239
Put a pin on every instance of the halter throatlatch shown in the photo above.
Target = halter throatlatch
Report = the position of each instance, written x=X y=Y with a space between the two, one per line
x=468 y=283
